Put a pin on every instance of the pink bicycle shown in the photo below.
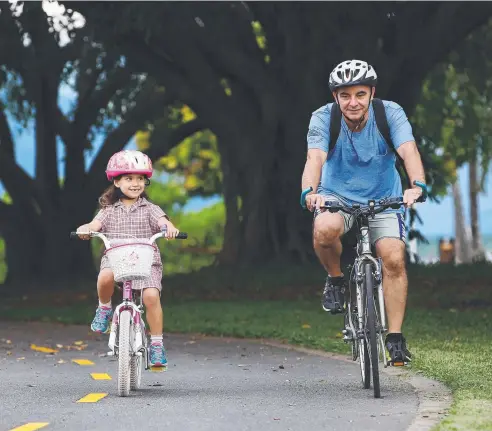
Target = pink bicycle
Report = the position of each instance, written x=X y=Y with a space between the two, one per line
x=130 y=259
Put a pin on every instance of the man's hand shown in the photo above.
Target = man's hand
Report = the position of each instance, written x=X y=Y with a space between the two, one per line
x=314 y=201
x=411 y=195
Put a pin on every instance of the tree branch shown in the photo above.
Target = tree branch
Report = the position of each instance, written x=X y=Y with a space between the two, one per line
x=6 y=214
x=63 y=126
x=92 y=102
x=165 y=139
x=119 y=137
x=6 y=141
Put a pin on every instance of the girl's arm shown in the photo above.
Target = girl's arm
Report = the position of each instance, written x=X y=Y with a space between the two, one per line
x=93 y=226
x=164 y=220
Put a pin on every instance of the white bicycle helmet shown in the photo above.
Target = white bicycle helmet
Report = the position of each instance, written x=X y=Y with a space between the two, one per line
x=352 y=72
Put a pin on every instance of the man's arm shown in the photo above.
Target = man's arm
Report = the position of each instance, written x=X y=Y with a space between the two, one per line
x=413 y=163
x=312 y=169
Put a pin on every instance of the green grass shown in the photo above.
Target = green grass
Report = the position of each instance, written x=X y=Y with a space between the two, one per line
x=451 y=346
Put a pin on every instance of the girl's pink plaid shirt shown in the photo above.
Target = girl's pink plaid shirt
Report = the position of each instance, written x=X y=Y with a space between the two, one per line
x=139 y=220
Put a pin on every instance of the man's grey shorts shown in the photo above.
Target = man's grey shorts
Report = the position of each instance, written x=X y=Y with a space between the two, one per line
x=383 y=225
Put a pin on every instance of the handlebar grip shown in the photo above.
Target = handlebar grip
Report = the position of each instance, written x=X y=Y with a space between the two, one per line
x=182 y=235
x=425 y=192
x=304 y=193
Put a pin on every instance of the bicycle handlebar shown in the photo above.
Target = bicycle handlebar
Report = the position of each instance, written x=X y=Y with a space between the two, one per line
x=181 y=235
x=372 y=209
x=383 y=204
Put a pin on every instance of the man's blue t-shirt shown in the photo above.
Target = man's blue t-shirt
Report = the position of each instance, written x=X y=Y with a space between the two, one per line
x=361 y=166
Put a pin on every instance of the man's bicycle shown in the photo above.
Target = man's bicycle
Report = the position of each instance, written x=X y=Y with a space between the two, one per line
x=130 y=259
x=365 y=315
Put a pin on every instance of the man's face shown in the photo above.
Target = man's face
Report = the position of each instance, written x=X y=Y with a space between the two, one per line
x=354 y=101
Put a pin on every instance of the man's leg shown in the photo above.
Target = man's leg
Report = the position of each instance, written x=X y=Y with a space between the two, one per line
x=392 y=252
x=388 y=233
x=327 y=230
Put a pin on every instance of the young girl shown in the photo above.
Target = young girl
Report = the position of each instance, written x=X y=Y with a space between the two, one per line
x=125 y=209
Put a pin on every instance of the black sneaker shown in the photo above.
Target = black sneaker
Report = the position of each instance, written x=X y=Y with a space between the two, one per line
x=399 y=355
x=333 y=299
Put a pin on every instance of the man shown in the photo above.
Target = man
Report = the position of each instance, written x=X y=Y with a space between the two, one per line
x=361 y=166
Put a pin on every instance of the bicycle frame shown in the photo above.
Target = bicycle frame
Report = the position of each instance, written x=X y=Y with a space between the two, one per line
x=128 y=303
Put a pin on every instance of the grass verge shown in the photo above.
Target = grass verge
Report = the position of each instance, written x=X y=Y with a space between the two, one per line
x=449 y=345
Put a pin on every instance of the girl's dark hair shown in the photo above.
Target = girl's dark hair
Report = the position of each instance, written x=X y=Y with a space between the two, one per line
x=113 y=194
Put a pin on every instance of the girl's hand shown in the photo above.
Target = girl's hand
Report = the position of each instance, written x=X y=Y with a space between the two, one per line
x=83 y=232
x=170 y=231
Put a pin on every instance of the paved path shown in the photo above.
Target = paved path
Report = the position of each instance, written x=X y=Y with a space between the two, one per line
x=211 y=384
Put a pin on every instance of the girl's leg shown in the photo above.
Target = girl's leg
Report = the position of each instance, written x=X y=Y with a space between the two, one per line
x=105 y=289
x=152 y=302
x=105 y=286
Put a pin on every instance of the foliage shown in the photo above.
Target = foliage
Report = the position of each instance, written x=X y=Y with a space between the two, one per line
x=205 y=236
x=196 y=158
x=455 y=109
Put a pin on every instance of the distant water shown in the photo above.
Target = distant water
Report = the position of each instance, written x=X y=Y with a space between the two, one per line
x=431 y=251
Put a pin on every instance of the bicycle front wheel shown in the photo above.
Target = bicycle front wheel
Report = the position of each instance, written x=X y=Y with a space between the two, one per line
x=370 y=329
x=136 y=364
x=124 y=353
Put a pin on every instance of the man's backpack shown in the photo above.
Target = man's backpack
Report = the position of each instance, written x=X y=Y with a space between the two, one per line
x=382 y=125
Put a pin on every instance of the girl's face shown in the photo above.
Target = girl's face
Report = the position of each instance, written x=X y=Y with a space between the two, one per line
x=132 y=185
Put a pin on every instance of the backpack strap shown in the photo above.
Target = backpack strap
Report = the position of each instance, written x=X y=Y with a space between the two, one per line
x=335 y=125
x=383 y=127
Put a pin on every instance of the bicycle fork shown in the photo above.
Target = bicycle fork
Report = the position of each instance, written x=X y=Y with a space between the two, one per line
x=138 y=345
x=351 y=334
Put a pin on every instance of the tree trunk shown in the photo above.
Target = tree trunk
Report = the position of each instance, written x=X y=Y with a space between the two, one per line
x=462 y=243
x=273 y=225
x=232 y=229
x=478 y=251
x=45 y=259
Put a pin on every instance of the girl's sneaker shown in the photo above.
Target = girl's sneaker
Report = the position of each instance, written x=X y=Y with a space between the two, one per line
x=157 y=355
x=101 y=320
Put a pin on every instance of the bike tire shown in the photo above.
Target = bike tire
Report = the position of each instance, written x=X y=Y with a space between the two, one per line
x=136 y=365
x=365 y=364
x=372 y=339
x=124 y=353
x=136 y=372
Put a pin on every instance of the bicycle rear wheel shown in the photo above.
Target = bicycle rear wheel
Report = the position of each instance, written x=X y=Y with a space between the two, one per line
x=124 y=352
x=370 y=328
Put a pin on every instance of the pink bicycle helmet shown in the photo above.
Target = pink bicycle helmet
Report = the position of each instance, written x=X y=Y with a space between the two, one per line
x=128 y=162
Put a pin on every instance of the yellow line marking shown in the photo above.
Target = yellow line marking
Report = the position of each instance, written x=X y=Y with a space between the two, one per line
x=92 y=398
x=43 y=349
x=32 y=426
x=100 y=376
x=83 y=361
